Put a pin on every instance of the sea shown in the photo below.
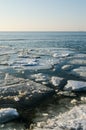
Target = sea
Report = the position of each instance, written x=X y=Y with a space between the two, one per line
x=41 y=57
x=40 y=50
x=73 y=40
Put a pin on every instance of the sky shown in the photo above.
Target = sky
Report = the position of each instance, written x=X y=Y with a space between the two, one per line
x=42 y=15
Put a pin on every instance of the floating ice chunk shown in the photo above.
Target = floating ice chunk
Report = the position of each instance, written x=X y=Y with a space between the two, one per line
x=65 y=54
x=16 y=98
x=56 y=80
x=73 y=101
x=33 y=64
x=67 y=67
x=49 y=62
x=8 y=114
x=23 y=54
x=55 y=55
x=83 y=99
x=40 y=77
x=78 y=61
x=61 y=54
x=81 y=71
x=26 y=62
x=75 y=86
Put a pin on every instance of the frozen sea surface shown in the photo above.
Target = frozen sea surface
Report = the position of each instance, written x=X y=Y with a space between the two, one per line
x=48 y=58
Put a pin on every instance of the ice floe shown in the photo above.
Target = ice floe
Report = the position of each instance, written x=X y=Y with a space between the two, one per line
x=40 y=77
x=78 y=61
x=25 y=92
x=63 y=54
x=67 y=67
x=8 y=114
x=56 y=80
x=26 y=62
x=80 y=71
x=73 y=85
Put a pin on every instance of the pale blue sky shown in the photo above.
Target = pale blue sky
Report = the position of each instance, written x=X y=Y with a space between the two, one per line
x=42 y=15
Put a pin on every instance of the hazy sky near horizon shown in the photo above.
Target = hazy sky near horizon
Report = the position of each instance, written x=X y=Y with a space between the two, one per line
x=42 y=15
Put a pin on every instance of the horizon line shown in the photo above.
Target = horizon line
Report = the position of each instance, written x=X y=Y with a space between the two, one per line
x=43 y=31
